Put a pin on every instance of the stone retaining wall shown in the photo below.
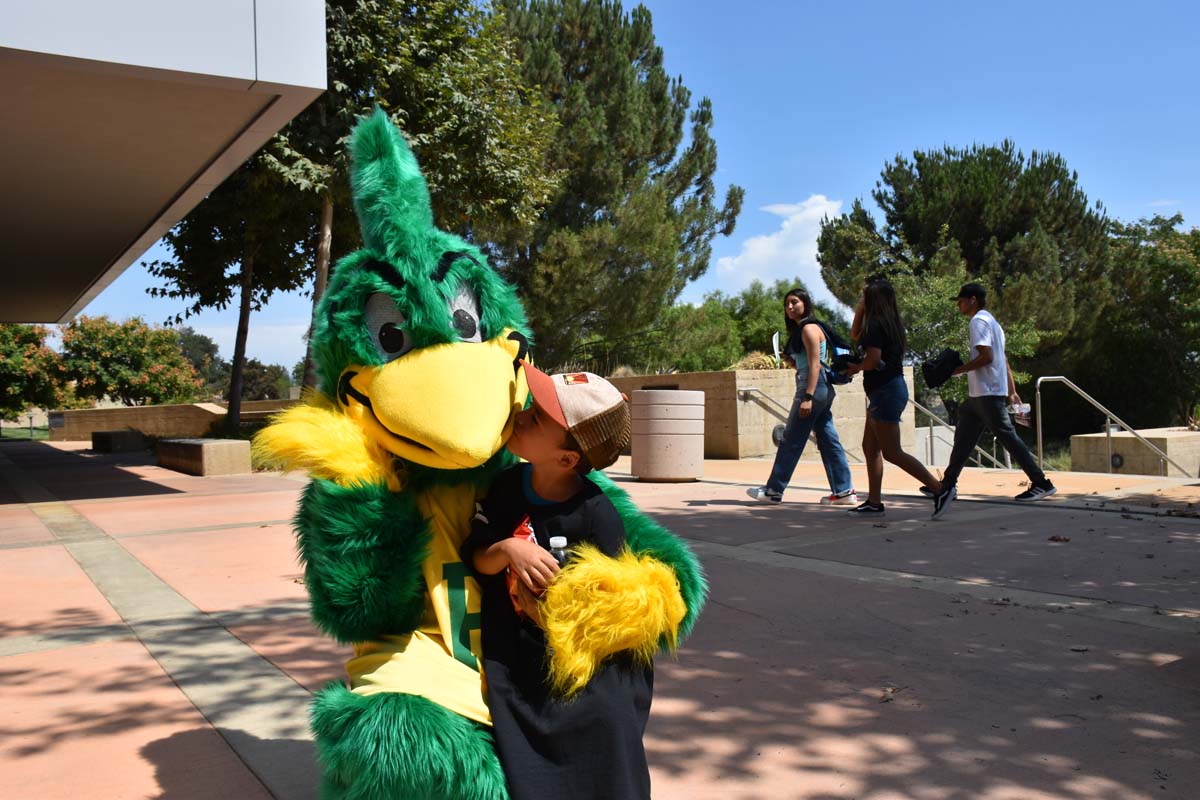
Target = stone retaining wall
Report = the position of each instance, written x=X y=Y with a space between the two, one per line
x=1089 y=452
x=183 y=420
x=742 y=407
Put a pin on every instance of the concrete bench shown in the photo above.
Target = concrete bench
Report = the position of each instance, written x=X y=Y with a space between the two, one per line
x=122 y=441
x=205 y=456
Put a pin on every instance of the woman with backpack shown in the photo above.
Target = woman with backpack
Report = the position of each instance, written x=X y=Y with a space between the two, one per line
x=879 y=330
x=807 y=347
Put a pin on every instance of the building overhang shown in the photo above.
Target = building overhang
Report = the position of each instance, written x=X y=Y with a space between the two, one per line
x=113 y=130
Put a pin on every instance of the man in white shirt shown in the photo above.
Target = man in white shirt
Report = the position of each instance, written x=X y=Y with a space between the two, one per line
x=989 y=388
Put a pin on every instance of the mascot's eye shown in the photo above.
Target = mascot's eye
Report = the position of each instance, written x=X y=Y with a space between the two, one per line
x=464 y=314
x=385 y=323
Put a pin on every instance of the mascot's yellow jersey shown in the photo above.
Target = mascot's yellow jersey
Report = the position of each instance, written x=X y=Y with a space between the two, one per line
x=441 y=660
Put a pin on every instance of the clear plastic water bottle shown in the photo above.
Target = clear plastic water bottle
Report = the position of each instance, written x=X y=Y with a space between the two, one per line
x=1020 y=413
x=558 y=549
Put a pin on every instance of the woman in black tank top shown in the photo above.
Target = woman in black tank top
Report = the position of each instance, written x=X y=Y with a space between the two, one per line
x=879 y=330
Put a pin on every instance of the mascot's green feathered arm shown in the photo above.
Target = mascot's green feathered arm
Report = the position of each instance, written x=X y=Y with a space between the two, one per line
x=361 y=543
x=362 y=548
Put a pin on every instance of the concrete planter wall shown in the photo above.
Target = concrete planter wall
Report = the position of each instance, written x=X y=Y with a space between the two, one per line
x=1089 y=452
x=742 y=408
x=180 y=420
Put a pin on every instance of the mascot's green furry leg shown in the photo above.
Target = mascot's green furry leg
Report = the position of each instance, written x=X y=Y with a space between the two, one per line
x=392 y=746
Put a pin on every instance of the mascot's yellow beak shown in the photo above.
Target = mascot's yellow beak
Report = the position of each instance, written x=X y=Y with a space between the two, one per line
x=449 y=406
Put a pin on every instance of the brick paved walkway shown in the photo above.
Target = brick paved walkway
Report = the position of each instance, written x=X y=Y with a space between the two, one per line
x=155 y=640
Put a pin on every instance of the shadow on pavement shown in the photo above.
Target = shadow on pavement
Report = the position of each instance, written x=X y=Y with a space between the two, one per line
x=1104 y=556
x=184 y=765
x=66 y=627
x=234 y=680
x=853 y=692
x=79 y=474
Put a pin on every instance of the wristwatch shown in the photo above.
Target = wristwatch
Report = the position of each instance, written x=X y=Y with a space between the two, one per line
x=808 y=396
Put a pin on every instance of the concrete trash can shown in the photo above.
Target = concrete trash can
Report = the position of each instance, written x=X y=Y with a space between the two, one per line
x=667 y=442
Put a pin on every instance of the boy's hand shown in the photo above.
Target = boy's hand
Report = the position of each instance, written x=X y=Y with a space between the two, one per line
x=529 y=604
x=533 y=565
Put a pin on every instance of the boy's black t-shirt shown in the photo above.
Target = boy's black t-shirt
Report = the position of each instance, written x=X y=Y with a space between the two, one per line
x=589 y=746
x=893 y=356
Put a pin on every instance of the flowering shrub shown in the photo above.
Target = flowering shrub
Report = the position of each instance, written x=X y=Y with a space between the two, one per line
x=130 y=361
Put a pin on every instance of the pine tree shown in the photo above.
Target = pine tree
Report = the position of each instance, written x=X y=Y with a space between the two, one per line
x=1023 y=227
x=446 y=72
x=633 y=219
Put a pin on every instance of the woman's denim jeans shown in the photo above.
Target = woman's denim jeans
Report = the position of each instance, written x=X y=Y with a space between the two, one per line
x=795 y=437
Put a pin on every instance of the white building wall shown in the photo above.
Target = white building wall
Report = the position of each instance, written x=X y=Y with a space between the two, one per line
x=213 y=37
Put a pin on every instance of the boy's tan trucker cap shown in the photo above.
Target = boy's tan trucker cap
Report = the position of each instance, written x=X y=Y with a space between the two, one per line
x=588 y=406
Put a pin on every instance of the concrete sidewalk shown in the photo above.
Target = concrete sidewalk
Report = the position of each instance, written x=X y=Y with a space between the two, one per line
x=155 y=641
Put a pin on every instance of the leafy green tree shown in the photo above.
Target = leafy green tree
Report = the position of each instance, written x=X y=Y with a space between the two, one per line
x=240 y=242
x=932 y=323
x=632 y=221
x=710 y=336
x=205 y=358
x=31 y=374
x=1021 y=226
x=447 y=73
x=931 y=319
x=1150 y=375
x=758 y=311
x=130 y=361
x=699 y=338
x=265 y=381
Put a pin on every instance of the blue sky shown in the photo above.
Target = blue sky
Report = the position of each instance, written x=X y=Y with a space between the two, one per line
x=811 y=99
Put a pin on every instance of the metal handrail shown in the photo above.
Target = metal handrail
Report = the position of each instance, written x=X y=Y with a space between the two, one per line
x=787 y=411
x=748 y=389
x=982 y=454
x=945 y=424
x=1109 y=417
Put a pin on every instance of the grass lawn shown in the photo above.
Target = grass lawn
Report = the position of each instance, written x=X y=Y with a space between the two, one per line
x=22 y=434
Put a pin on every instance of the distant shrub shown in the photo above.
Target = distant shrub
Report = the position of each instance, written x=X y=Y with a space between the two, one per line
x=755 y=361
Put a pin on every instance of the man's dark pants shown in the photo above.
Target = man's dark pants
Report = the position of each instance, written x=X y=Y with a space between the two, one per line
x=991 y=413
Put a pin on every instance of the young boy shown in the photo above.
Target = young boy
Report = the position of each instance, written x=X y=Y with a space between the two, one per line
x=589 y=746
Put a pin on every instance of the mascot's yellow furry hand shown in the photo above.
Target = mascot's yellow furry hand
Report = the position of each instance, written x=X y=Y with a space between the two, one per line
x=599 y=606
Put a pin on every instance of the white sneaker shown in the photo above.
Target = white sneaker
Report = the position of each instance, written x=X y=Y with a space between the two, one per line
x=840 y=500
x=764 y=495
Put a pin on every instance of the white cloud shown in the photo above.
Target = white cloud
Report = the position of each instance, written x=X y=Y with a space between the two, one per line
x=789 y=252
x=1160 y=203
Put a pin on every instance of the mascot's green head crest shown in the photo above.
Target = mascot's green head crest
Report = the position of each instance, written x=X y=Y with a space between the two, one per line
x=416 y=338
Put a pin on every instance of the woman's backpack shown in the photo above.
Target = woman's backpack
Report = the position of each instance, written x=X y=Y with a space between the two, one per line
x=838 y=354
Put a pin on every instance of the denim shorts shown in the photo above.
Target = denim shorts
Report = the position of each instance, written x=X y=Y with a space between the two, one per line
x=887 y=402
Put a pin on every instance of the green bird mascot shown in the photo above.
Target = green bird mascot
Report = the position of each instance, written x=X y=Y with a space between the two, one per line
x=418 y=345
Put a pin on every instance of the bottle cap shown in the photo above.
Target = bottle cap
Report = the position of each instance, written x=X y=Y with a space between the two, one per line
x=558 y=542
